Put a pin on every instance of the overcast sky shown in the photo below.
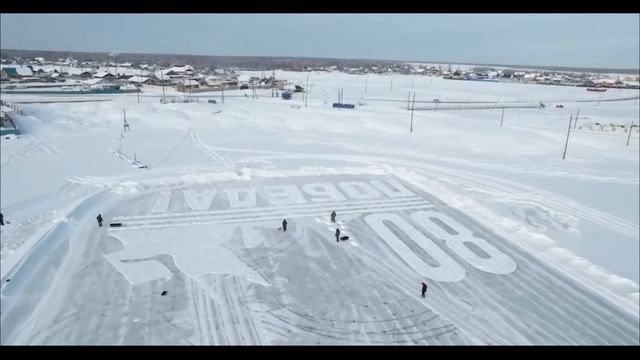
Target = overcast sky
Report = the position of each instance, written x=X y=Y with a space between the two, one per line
x=587 y=40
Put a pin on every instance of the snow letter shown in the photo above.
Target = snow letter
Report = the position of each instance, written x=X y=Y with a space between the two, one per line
x=326 y=190
x=360 y=190
x=247 y=199
x=283 y=195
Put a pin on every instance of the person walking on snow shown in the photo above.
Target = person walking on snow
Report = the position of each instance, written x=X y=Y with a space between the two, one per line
x=333 y=216
x=284 y=225
x=337 y=234
x=1 y=219
x=424 y=289
x=99 y=218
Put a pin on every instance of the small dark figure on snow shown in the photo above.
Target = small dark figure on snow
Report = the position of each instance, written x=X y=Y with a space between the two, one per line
x=337 y=235
x=99 y=218
x=284 y=225
x=424 y=289
x=1 y=219
x=333 y=216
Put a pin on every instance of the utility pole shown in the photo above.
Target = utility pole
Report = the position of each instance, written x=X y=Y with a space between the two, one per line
x=575 y=123
x=365 y=83
x=306 y=92
x=564 y=154
x=629 y=135
x=502 y=117
x=413 y=105
x=408 y=99
x=392 y=83
x=125 y=125
x=139 y=85
x=164 y=100
x=340 y=97
x=223 y=93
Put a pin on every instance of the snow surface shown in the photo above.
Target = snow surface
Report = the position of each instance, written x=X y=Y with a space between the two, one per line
x=534 y=249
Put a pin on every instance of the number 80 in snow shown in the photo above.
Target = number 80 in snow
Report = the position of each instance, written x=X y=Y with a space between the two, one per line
x=494 y=261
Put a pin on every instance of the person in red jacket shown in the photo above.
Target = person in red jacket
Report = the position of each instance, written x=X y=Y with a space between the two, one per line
x=424 y=289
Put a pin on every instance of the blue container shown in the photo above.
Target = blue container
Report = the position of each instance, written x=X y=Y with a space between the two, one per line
x=343 y=106
x=6 y=131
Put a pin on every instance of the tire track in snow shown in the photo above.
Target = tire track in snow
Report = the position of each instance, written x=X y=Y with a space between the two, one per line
x=228 y=313
x=164 y=225
x=260 y=213
x=261 y=209
x=249 y=334
x=220 y=159
x=330 y=333
x=578 y=313
x=400 y=279
x=254 y=328
x=233 y=319
x=579 y=297
x=497 y=186
x=225 y=219
x=575 y=309
x=197 y=306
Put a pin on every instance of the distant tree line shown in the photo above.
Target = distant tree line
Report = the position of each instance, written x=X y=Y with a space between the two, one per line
x=257 y=62
x=200 y=61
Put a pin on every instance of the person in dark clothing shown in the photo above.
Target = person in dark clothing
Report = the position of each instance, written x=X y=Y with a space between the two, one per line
x=284 y=225
x=424 y=289
x=333 y=216
x=1 y=219
x=337 y=234
x=99 y=218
